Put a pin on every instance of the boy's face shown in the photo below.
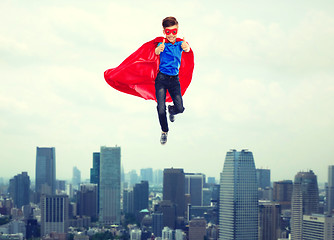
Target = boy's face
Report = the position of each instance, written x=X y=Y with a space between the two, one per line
x=171 y=33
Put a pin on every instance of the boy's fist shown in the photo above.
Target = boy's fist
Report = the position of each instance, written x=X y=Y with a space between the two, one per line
x=160 y=48
x=185 y=46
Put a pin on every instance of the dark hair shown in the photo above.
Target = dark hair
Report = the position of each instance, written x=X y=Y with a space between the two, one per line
x=169 y=21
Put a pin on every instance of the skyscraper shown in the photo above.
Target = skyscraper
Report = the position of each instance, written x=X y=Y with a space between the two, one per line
x=140 y=196
x=238 y=214
x=330 y=197
x=128 y=206
x=158 y=177
x=19 y=189
x=45 y=170
x=76 y=178
x=146 y=174
x=263 y=178
x=95 y=175
x=110 y=185
x=173 y=189
x=87 y=201
x=133 y=177
x=54 y=214
x=305 y=200
x=194 y=186
x=168 y=210
x=157 y=223
x=95 y=170
x=282 y=193
x=269 y=220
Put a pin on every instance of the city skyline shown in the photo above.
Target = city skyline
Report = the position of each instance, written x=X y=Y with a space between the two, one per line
x=243 y=212
x=87 y=172
x=263 y=80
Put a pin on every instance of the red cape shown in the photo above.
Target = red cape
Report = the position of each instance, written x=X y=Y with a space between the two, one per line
x=137 y=73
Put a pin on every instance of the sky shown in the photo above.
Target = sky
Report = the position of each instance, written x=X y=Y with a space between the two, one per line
x=263 y=81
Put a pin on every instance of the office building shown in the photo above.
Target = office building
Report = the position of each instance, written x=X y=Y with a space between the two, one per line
x=95 y=170
x=140 y=196
x=110 y=185
x=207 y=196
x=32 y=229
x=197 y=229
x=87 y=201
x=45 y=170
x=133 y=177
x=194 y=186
x=282 y=193
x=330 y=195
x=318 y=226
x=211 y=180
x=263 y=178
x=146 y=174
x=158 y=177
x=173 y=189
x=19 y=189
x=95 y=175
x=238 y=214
x=54 y=214
x=168 y=210
x=269 y=220
x=167 y=233
x=76 y=178
x=305 y=199
x=61 y=185
x=157 y=223
x=128 y=204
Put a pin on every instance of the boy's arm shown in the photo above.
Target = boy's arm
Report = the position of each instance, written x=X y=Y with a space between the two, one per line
x=160 y=48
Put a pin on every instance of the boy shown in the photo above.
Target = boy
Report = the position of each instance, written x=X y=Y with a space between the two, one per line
x=170 y=51
x=157 y=66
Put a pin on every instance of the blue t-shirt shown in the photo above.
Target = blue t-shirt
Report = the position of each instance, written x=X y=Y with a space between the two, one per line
x=170 y=58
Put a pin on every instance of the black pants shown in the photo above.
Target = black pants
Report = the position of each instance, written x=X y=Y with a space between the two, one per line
x=163 y=83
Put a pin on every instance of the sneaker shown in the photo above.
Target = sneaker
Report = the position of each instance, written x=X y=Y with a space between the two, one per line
x=163 y=138
x=171 y=116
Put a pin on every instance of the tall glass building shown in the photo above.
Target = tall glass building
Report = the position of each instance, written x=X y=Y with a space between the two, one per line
x=95 y=170
x=238 y=214
x=173 y=189
x=46 y=170
x=263 y=178
x=330 y=192
x=76 y=178
x=305 y=201
x=110 y=185
x=194 y=183
x=19 y=189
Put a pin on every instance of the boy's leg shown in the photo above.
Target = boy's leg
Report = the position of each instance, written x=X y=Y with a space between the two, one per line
x=160 y=93
x=175 y=93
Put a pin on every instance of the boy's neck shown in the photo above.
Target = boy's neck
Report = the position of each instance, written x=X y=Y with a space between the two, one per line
x=167 y=41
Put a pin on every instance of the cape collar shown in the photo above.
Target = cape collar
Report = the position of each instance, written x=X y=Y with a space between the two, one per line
x=160 y=39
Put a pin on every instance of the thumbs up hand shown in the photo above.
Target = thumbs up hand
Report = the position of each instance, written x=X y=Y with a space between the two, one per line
x=185 y=46
x=160 y=48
